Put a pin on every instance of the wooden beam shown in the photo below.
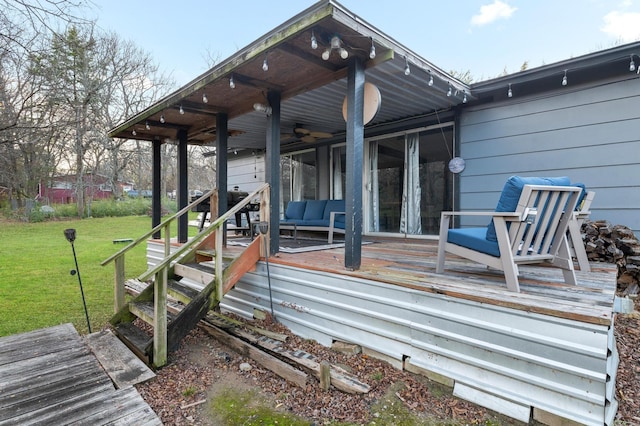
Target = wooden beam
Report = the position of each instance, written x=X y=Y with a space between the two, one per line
x=281 y=368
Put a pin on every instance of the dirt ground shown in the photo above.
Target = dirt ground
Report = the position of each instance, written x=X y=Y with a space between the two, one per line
x=203 y=367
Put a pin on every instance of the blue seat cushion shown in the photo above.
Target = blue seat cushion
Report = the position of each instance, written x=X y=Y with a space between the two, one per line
x=314 y=209
x=295 y=210
x=474 y=239
x=511 y=194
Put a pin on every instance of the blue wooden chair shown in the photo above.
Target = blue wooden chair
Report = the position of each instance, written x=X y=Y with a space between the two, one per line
x=529 y=226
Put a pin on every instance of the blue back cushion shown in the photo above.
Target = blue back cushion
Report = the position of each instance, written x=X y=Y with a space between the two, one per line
x=314 y=209
x=582 y=194
x=511 y=194
x=334 y=206
x=295 y=210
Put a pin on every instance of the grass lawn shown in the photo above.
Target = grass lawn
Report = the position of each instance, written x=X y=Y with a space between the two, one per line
x=36 y=287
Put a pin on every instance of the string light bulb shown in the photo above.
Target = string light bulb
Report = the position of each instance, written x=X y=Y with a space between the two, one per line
x=133 y=132
x=232 y=83
x=147 y=126
x=564 y=79
x=372 y=51
x=181 y=110
x=632 y=65
x=464 y=97
x=343 y=53
x=314 y=41
x=326 y=53
x=510 y=92
x=262 y=108
x=407 y=69
x=449 y=92
x=162 y=118
x=204 y=98
x=430 y=83
x=265 y=65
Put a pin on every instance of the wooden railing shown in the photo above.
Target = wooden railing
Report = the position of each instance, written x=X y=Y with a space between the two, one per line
x=160 y=271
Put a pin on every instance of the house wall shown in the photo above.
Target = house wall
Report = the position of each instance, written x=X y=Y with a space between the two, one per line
x=245 y=172
x=589 y=133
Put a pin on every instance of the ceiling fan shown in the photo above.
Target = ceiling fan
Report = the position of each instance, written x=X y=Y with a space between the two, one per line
x=306 y=135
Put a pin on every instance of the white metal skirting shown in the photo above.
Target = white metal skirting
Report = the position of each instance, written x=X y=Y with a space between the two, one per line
x=511 y=361
x=519 y=360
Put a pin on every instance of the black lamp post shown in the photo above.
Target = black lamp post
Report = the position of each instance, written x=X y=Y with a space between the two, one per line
x=70 y=234
x=263 y=227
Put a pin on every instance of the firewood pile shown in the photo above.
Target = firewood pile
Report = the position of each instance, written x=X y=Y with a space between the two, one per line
x=617 y=244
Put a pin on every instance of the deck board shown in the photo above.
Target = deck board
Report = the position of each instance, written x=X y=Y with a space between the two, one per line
x=50 y=376
x=411 y=263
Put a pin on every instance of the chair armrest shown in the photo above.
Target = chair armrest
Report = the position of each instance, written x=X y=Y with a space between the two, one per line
x=491 y=214
x=332 y=216
x=332 y=220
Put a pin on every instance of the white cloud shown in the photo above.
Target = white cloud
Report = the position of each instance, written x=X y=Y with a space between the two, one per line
x=492 y=12
x=622 y=25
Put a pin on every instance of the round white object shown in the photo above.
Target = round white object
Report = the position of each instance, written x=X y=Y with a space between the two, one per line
x=372 y=101
x=456 y=165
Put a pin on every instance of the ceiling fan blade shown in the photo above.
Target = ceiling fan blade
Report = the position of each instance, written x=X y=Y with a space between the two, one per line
x=308 y=139
x=284 y=136
x=301 y=131
x=320 y=135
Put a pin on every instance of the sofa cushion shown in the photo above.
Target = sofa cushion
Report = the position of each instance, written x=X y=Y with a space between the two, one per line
x=474 y=239
x=334 y=206
x=314 y=209
x=511 y=194
x=295 y=210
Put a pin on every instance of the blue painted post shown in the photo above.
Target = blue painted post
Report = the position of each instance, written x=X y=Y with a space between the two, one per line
x=183 y=186
x=272 y=157
x=355 y=150
x=222 y=146
x=156 y=196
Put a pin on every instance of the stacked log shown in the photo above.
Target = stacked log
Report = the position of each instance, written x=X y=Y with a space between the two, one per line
x=614 y=244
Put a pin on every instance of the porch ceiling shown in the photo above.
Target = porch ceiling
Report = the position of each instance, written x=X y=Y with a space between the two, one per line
x=312 y=89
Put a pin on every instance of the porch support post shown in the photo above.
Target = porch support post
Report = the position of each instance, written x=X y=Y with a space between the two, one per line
x=355 y=149
x=222 y=146
x=272 y=172
x=156 y=198
x=183 y=186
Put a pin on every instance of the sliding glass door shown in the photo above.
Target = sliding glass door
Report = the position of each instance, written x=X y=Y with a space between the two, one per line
x=408 y=183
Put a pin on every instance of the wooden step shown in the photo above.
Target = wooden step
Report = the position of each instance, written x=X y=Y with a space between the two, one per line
x=145 y=311
x=206 y=252
x=135 y=339
x=134 y=286
x=198 y=272
x=121 y=364
x=181 y=292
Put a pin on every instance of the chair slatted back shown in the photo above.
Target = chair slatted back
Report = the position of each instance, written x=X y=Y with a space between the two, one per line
x=545 y=215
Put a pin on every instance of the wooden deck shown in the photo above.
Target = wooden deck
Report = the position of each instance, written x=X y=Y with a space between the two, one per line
x=50 y=376
x=411 y=264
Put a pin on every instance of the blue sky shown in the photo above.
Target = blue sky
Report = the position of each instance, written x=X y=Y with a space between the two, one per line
x=482 y=36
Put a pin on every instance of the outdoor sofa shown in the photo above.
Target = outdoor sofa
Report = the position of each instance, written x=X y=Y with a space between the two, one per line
x=315 y=215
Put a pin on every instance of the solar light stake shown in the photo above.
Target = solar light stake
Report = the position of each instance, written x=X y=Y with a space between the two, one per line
x=70 y=234
x=263 y=227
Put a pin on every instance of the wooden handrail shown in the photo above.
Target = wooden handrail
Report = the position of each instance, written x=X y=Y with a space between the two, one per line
x=157 y=228
x=202 y=234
